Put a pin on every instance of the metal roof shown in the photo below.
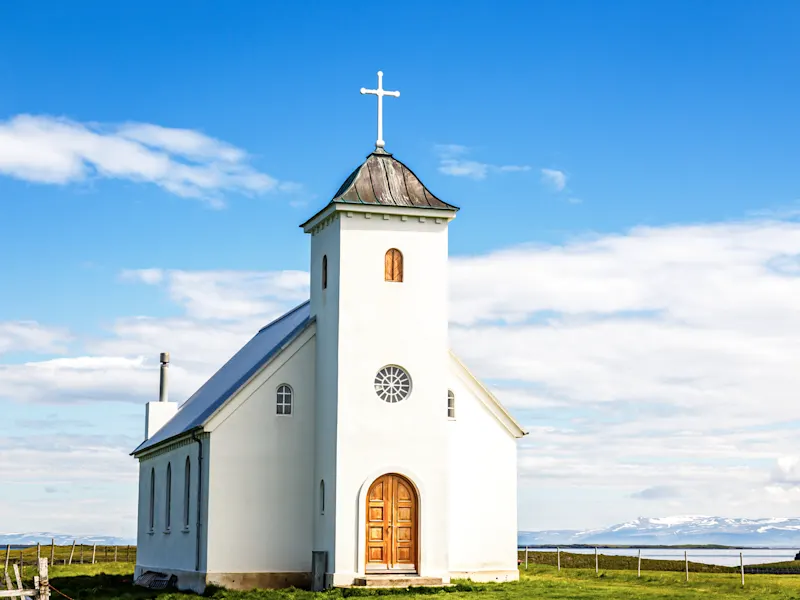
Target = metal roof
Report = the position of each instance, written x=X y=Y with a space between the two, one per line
x=382 y=179
x=265 y=345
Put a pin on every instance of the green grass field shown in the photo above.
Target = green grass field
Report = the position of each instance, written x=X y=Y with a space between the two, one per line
x=540 y=582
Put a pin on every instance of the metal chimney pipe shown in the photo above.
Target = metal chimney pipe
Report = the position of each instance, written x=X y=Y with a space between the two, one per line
x=162 y=388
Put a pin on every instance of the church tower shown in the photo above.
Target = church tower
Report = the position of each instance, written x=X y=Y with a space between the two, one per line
x=379 y=296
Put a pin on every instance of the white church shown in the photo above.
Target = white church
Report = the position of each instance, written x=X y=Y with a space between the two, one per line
x=344 y=444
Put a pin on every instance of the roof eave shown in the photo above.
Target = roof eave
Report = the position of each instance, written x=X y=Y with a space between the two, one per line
x=288 y=341
x=290 y=337
x=378 y=209
x=139 y=451
x=509 y=421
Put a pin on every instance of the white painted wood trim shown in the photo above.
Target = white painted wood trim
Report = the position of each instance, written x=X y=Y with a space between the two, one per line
x=490 y=400
x=259 y=378
x=445 y=214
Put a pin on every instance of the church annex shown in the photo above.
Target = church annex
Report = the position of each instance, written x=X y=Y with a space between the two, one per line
x=344 y=442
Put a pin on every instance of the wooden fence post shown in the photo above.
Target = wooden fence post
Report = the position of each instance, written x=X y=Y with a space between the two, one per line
x=22 y=561
x=639 y=568
x=596 y=562
x=127 y=551
x=17 y=577
x=52 y=551
x=115 y=553
x=741 y=566
x=94 y=551
x=686 y=560
x=105 y=555
x=38 y=551
x=44 y=580
x=8 y=553
x=81 y=553
x=8 y=581
x=72 y=552
x=526 y=557
x=558 y=557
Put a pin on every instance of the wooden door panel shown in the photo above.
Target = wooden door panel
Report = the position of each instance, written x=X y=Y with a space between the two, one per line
x=378 y=505
x=404 y=524
x=392 y=525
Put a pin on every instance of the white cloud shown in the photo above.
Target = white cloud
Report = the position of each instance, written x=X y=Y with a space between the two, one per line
x=681 y=340
x=452 y=162
x=148 y=276
x=29 y=336
x=554 y=178
x=91 y=481
x=229 y=295
x=51 y=150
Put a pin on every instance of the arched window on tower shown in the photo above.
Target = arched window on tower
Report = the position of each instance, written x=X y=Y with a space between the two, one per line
x=451 y=404
x=393 y=265
x=325 y=272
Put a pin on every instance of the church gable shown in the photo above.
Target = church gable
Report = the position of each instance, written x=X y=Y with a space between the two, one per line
x=482 y=393
x=235 y=373
x=283 y=394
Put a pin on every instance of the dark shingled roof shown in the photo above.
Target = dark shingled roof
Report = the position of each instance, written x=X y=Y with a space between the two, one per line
x=266 y=344
x=382 y=179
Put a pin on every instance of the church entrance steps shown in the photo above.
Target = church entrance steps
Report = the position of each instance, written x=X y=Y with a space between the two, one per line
x=397 y=581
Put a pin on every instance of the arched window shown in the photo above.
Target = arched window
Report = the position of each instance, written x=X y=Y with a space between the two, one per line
x=187 y=482
x=168 y=498
x=393 y=265
x=325 y=272
x=284 y=403
x=152 y=499
x=451 y=404
x=322 y=496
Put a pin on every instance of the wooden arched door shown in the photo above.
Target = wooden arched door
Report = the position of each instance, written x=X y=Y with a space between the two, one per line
x=392 y=536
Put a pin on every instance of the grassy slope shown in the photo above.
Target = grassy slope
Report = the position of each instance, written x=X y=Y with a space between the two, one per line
x=113 y=581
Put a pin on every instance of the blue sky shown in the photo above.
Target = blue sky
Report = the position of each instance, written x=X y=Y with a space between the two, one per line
x=638 y=161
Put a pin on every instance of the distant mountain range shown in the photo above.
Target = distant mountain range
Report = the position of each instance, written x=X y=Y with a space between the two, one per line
x=31 y=539
x=678 y=530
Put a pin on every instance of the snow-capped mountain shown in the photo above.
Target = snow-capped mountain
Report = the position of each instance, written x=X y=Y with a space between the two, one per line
x=679 y=530
x=31 y=539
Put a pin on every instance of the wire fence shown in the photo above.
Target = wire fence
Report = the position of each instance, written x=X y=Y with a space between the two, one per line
x=75 y=553
x=778 y=561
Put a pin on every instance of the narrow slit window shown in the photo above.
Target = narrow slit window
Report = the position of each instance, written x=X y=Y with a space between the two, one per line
x=393 y=265
x=322 y=496
x=451 y=404
x=152 y=498
x=284 y=402
x=187 y=482
x=168 y=498
x=325 y=272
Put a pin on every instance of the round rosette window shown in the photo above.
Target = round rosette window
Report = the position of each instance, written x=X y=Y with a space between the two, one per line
x=392 y=384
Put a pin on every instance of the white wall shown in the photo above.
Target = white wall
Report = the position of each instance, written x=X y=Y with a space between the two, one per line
x=261 y=464
x=483 y=484
x=384 y=323
x=158 y=548
x=325 y=306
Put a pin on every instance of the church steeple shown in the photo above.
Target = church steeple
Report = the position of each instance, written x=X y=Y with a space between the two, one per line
x=382 y=179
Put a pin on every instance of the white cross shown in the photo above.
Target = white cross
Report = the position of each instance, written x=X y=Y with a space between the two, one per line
x=380 y=93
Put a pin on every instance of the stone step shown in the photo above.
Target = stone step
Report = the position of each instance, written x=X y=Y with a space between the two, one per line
x=396 y=581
